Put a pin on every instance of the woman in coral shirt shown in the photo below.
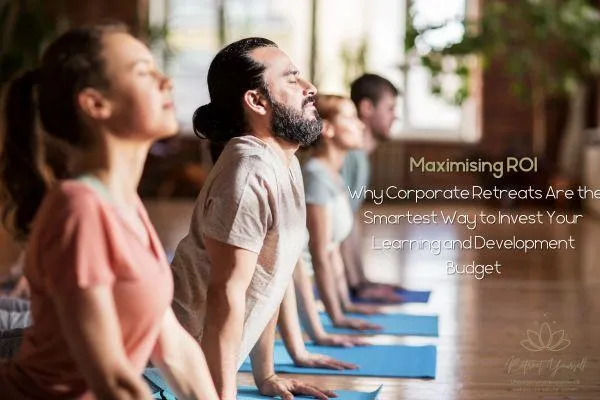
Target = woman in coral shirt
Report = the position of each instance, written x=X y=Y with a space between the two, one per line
x=101 y=287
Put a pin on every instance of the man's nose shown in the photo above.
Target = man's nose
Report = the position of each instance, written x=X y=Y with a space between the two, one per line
x=309 y=88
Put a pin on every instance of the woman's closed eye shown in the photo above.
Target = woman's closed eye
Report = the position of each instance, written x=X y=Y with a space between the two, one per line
x=144 y=72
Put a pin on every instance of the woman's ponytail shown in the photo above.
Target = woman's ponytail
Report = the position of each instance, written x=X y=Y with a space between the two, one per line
x=32 y=159
x=22 y=180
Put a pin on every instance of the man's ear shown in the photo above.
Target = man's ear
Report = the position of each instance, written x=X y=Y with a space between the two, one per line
x=365 y=108
x=93 y=104
x=256 y=102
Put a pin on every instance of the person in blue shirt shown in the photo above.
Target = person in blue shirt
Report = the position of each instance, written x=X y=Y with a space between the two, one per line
x=375 y=99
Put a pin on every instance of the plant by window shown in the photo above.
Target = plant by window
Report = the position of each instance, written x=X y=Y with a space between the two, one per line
x=549 y=47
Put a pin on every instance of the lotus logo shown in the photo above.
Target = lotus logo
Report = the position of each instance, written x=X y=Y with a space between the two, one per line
x=545 y=339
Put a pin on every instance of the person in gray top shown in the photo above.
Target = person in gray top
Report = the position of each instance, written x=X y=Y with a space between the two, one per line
x=329 y=216
x=246 y=234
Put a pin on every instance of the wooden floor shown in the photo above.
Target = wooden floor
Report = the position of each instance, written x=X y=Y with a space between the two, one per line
x=481 y=322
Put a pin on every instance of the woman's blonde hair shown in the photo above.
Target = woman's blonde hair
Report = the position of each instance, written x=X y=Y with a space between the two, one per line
x=329 y=105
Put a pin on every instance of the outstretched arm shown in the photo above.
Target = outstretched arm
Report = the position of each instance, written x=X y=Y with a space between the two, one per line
x=179 y=358
x=267 y=381
x=226 y=308
x=342 y=285
x=89 y=322
x=291 y=334
x=317 y=220
x=325 y=271
x=78 y=275
x=309 y=313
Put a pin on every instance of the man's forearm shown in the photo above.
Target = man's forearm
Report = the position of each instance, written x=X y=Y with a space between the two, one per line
x=222 y=337
x=261 y=355
x=289 y=324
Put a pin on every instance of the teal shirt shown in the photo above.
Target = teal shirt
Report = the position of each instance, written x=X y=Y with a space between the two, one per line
x=356 y=173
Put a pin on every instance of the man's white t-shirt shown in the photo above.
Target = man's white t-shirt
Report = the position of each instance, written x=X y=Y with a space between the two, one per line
x=253 y=200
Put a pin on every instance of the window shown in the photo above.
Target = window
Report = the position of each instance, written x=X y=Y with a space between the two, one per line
x=352 y=35
x=194 y=35
x=450 y=122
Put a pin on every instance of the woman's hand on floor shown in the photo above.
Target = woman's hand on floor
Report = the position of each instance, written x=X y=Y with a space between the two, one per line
x=340 y=341
x=314 y=360
x=358 y=324
x=287 y=388
x=379 y=294
x=387 y=286
x=365 y=309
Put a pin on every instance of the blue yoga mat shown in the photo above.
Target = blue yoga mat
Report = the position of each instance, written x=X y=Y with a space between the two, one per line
x=249 y=393
x=392 y=324
x=160 y=390
x=389 y=361
x=409 y=296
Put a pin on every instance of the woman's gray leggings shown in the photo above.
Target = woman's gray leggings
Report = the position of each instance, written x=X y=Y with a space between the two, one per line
x=14 y=318
x=14 y=313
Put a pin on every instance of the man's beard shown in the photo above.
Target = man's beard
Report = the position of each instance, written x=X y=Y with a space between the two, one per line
x=293 y=126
